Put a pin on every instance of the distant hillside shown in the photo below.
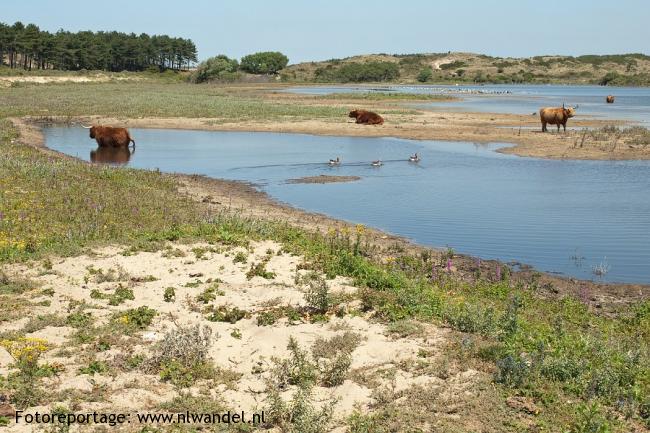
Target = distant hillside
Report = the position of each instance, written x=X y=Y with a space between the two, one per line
x=623 y=69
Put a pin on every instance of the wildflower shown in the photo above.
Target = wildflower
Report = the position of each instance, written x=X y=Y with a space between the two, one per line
x=360 y=228
x=448 y=265
x=434 y=273
x=498 y=272
x=25 y=350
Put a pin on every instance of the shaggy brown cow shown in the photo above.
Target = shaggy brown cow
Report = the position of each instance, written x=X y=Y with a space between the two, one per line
x=610 y=99
x=111 y=155
x=108 y=136
x=556 y=116
x=366 y=117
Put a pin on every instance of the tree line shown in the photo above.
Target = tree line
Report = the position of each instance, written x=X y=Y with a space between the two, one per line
x=28 y=47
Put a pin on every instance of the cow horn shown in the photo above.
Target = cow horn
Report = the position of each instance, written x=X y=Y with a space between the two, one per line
x=87 y=127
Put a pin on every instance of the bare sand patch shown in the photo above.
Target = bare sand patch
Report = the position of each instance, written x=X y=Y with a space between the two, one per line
x=246 y=349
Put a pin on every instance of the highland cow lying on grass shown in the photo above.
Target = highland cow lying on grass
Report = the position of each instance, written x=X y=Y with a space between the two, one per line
x=366 y=117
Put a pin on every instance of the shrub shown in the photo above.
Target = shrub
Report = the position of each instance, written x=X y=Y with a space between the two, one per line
x=259 y=270
x=94 y=367
x=269 y=317
x=182 y=355
x=298 y=369
x=268 y=62
x=425 y=75
x=359 y=72
x=79 y=319
x=225 y=314
x=24 y=386
x=13 y=286
x=120 y=295
x=170 y=294
x=214 y=68
x=317 y=296
x=453 y=65
x=298 y=415
x=512 y=371
x=134 y=319
x=333 y=372
x=240 y=257
x=608 y=78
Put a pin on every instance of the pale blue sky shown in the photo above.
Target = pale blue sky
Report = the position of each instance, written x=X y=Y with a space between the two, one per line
x=323 y=29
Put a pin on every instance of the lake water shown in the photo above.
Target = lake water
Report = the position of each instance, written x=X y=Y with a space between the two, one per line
x=632 y=103
x=559 y=216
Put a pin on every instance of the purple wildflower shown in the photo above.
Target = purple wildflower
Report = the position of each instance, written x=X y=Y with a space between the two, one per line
x=448 y=265
x=498 y=272
x=434 y=273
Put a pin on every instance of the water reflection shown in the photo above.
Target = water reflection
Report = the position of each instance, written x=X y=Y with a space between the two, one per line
x=111 y=155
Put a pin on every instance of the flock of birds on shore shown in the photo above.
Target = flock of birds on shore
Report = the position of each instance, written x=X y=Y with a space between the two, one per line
x=377 y=163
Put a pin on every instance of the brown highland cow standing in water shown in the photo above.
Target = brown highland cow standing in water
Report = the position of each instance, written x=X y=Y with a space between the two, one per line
x=107 y=136
x=366 y=117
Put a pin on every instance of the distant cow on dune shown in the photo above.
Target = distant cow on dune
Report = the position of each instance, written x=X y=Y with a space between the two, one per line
x=108 y=136
x=366 y=117
x=610 y=99
x=556 y=116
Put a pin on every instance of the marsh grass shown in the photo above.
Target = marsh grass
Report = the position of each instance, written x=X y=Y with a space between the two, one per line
x=150 y=99
x=611 y=135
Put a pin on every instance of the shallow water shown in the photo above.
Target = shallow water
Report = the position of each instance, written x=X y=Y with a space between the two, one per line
x=559 y=216
x=632 y=103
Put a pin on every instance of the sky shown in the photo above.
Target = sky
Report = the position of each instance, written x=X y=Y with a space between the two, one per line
x=323 y=29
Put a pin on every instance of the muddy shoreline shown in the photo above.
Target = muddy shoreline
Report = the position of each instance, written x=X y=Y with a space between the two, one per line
x=242 y=198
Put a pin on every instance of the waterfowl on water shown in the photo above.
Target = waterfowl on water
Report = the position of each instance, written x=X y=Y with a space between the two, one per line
x=414 y=158
x=336 y=161
x=377 y=163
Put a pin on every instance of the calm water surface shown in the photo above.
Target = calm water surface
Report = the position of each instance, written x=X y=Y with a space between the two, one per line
x=559 y=216
x=632 y=103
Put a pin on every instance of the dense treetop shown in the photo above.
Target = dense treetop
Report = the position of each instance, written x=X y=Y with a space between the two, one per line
x=266 y=62
x=28 y=47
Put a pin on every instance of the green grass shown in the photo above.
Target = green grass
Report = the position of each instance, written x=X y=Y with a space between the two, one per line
x=57 y=205
x=150 y=99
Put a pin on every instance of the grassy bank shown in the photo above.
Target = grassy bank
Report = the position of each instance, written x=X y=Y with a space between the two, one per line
x=152 y=99
x=575 y=370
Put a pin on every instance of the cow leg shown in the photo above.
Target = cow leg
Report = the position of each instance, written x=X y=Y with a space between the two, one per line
x=564 y=124
x=543 y=126
x=558 y=128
